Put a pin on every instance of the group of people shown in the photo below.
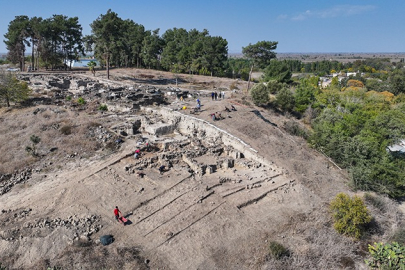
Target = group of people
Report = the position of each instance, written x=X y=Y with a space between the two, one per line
x=215 y=95
x=216 y=116
x=229 y=110
x=146 y=147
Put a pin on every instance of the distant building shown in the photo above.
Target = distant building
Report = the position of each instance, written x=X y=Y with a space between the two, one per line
x=324 y=82
x=397 y=149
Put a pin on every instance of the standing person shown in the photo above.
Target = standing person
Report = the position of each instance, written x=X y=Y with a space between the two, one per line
x=117 y=213
x=162 y=169
x=147 y=146
x=212 y=95
x=216 y=95
x=223 y=94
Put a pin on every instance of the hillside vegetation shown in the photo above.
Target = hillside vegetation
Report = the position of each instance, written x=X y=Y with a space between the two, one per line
x=352 y=119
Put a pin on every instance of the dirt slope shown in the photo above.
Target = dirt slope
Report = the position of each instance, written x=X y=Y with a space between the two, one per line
x=178 y=220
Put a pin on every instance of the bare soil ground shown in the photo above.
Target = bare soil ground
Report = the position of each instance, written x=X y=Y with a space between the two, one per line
x=177 y=220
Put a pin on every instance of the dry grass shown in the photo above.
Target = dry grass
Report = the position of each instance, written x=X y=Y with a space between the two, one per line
x=69 y=132
x=321 y=247
x=91 y=256
x=316 y=245
x=387 y=217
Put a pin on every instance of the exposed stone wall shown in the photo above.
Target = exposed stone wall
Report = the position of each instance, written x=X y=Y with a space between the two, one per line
x=118 y=96
x=190 y=126
x=60 y=81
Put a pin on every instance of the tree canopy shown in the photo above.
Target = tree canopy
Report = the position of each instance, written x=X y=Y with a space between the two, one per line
x=107 y=37
x=260 y=54
x=56 y=40
x=194 y=52
x=17 y=39
x=11 y=89
x=277 y=70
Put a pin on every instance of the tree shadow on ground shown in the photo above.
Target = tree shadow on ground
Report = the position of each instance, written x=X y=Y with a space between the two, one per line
x=263 y=118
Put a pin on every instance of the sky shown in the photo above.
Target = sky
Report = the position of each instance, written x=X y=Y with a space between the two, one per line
x=299 y=26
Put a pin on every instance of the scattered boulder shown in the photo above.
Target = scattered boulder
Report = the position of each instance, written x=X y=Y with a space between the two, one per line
x=105 y=240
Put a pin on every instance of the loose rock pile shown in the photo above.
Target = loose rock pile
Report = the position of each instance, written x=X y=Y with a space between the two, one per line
x=7 y=181
x=87 y=225
x=21 y=214
x=81 y=227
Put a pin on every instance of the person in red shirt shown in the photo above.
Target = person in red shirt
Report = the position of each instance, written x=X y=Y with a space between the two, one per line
x=137 y=153
x=117 y=213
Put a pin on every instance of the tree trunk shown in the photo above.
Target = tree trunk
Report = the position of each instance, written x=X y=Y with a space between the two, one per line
x=32 y=56
x=37 y=60
x=108 y=66
x=7 y=101
x=23 y=62
x=250 y=77
x=37 y=55
x=66 y=59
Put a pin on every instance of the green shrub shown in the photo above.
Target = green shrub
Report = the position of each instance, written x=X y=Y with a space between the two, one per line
x=388 y=256
x=68 y=98
x=32 y=149
x=35 y=139
x=274 y=87
x=103 y=107
x=285 y=99
x=81 y=101
x=350 y=215
x=277 y=250
x=375 y=201
x=293 y=128
x=260 y=94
